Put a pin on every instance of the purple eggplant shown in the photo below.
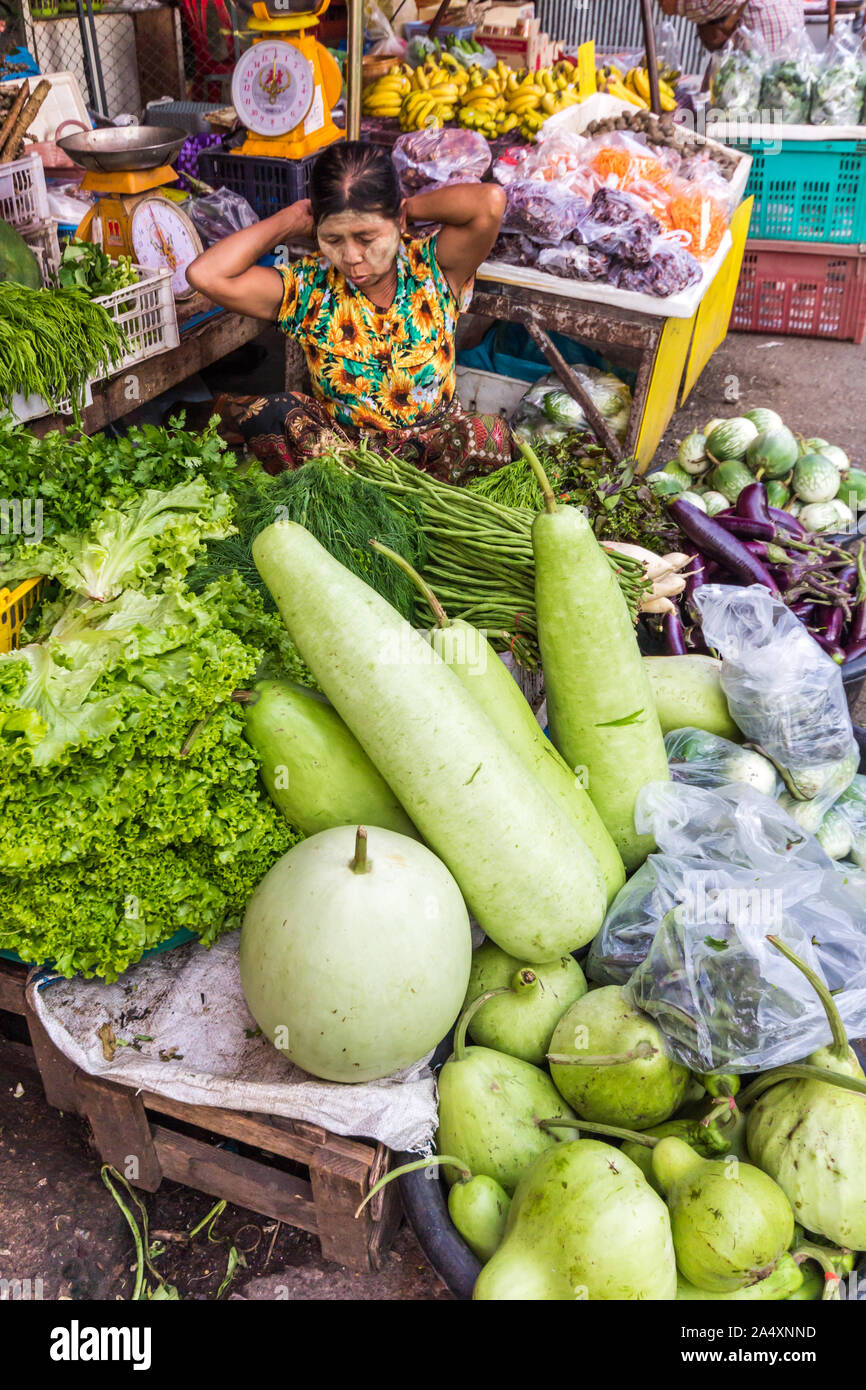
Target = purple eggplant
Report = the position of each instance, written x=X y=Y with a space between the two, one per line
x=802 y=610
x=714 y=541
x=855 y=649
x=695 y=579
x=759 y=549
x=833 y=626
x=752 y=504
x=857 y=631
x=831 y=648
x=745 y=527
x=675 y=637
x=787 y=522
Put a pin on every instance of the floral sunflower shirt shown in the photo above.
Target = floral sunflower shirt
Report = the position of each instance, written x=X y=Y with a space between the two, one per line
x=376 y=369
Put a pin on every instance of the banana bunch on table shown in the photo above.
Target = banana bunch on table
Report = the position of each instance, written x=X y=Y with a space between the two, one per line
x=634 y=87
x=494 y=102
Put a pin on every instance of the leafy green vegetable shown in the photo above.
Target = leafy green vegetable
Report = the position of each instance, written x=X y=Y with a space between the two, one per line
x=787 y=90
x=130 y=544
x=342 y=511
x=85 y=266
x=75 y=477
x=52 y=342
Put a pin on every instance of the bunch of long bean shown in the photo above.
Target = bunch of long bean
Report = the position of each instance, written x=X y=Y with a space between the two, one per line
x=52 y=342
x=478 y=554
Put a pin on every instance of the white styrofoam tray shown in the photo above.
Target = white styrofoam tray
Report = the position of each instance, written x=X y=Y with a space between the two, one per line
x=488 y=393
x=772 y=132
x=676 y=306
x=63 y=103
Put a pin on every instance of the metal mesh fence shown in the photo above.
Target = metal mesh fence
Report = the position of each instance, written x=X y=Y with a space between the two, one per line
x=615 y=24
x=122 y=57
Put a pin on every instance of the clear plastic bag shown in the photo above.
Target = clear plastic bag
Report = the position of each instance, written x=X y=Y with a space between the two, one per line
x=732 y=868
x=786 y=89
x=547 y=409
x=574 y=262
x=735 y=81
x=221 y=213
x=384 y=43
x=543 y=212
x=706 y=760
x=615 y=225
x=839 y=85
x=784 y=692
x=850 y=810
x=515 y=250
x=549 y=162
x=669 y=269
x=431 y=158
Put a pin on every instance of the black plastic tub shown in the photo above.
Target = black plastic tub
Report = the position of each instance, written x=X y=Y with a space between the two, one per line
x=425 y=1197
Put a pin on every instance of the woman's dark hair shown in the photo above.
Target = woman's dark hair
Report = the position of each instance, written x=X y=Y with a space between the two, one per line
x=353 y=177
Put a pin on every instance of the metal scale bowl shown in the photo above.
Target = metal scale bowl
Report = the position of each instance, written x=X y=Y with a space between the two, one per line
x=127 y=168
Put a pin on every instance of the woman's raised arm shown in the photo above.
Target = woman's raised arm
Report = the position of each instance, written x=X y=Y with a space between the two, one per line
x=470 y=214
x=227 y=272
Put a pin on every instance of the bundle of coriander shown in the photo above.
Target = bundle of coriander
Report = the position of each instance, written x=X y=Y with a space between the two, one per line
x=52 y=342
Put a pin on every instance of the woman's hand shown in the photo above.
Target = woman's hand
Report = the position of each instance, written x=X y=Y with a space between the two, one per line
x=304 y=225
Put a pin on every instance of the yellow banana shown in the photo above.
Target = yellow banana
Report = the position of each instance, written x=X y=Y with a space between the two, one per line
x=641 y=83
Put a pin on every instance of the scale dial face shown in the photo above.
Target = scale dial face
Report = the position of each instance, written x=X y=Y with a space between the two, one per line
x=272 y=87
x=162 y=236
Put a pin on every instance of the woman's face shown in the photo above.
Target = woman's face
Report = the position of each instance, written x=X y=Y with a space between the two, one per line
x=363 y=245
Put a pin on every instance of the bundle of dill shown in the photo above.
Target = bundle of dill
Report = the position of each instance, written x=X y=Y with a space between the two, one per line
x=344 y=513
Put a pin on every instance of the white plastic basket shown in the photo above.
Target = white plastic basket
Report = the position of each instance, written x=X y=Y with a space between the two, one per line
x=147 y=314
x=23 y=195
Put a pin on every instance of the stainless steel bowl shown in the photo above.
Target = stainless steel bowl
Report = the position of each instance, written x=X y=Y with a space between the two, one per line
x=118 y=148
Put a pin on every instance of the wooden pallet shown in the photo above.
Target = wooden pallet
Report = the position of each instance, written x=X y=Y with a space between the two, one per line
x=148 y=1137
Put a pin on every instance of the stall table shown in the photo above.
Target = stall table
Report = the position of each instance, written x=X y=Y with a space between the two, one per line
x=202 y=344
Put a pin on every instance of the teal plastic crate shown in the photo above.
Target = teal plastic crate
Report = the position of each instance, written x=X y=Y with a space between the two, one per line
x=808 y=191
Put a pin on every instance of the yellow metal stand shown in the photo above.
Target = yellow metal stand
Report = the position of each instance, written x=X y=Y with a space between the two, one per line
x=714 y=312
x=664 y=384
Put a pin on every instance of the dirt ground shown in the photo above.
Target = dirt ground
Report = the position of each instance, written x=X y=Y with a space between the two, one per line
x=59 y=1224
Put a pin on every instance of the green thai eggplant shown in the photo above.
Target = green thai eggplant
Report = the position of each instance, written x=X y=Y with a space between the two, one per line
x=608 y=1060
x=807 y=1130
x=522 y=1019
x=731 y=1223
x=489 y=1107
x=584 y=1224
x=785 y=1281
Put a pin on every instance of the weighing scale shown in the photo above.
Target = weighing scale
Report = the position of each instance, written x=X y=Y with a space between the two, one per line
x=127 y=167
x=283 y=88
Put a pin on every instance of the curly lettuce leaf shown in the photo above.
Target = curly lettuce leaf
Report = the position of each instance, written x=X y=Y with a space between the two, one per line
x=161 y=531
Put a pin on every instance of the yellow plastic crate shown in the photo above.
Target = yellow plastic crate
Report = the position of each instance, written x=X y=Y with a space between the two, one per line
x=15 y=604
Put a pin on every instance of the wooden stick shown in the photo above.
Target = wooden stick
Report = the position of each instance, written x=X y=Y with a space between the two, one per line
x=19 y=129
x=14 y=112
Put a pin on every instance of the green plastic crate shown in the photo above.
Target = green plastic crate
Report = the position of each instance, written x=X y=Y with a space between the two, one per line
x=808 y=191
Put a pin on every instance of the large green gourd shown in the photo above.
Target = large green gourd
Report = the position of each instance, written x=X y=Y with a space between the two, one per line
x=355 y=953
x=584 y=1224
x=17 y=261
x=599 y=698
x=315 y=770
x=524 y=870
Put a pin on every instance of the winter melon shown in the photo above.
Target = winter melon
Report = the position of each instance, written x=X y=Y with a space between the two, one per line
x=17 y=261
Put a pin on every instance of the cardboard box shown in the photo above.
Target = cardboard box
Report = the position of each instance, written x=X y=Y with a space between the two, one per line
x=506 y=16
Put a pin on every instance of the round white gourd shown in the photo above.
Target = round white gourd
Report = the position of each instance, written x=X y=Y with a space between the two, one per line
x=355 y=974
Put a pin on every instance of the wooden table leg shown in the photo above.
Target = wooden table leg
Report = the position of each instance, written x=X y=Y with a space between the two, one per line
x=121 y=1130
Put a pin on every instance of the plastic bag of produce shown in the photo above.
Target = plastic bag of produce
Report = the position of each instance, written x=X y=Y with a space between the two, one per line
x=384 y=43
x=573 y=262
x=547 y=410
x=706 y=760
x=786 y=90
x=616 y=225
x=430 y=158
x=669 y=269
x=839 y=87
x=514 y=250
x=219 y=214
x=844 y=826
x=541 y=211
x=784 y=692
x=735 y=81
x=553 y=160
x=733 y=867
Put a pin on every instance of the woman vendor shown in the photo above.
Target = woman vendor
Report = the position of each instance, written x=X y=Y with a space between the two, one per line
x=375 y=314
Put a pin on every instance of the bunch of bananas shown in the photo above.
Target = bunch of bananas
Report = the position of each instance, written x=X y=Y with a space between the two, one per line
x=493 y=102
x=635 y=87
